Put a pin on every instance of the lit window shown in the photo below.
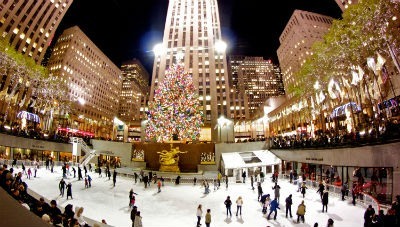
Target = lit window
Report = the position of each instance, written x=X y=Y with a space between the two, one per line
x=16 y=30
x=22 y=36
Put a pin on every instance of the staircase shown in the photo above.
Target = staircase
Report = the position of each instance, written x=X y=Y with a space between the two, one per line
x=89 y=153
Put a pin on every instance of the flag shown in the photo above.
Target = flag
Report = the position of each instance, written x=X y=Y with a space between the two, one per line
x=380 y=62
x=360 y=73
x=354 y=79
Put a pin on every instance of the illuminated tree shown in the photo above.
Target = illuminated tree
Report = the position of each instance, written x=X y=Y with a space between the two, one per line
x=175 y=111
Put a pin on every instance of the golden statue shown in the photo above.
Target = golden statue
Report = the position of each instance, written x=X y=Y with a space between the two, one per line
x=169 y=159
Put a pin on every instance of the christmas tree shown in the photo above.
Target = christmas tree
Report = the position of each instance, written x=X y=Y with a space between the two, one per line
x=174 y=113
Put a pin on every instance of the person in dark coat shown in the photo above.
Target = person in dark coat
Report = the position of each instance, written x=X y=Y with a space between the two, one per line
x=54 y=213
x=69 y=190
x=325 y=201
x=79 y=173
x=61 y=187
x=74 y=170
x=260 y=191
x=244 y=176
x=228 y=204
x=321 y=188
x=114 y=177
x=133 y=215
x=178 y=179
x=303 y=188
x=85 y=169
x=289 y=203
x=369 y=213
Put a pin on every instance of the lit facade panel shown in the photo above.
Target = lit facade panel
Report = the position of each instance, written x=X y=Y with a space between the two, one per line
x=192 y=27
x=30 y=25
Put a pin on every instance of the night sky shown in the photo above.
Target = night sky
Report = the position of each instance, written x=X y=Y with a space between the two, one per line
x=127 y=29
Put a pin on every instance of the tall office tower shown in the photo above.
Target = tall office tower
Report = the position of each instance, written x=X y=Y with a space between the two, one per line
x=258 y=79
x=302 y=30
x=193 y=28
x=29 y=25
x=239 y=110
x=94 y=81
x=344 y=4
x=134 y=96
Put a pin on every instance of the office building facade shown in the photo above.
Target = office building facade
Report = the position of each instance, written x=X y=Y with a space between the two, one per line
x=301 y=32
x=29 y=26
x=94 y=81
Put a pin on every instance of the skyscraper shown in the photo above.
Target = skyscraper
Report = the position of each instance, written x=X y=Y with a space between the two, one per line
x=303 y=29
x=192 y=28
x=94 y=81
x=134 y=93
x=29 y=26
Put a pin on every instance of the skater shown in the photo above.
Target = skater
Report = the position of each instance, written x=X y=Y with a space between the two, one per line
x=138 y=220
x=252 y=182
x=226 y=181
x=262 y=176
x=208 y=218
x=108 y=173
x=100 y=171
x=52 y=167
x=69 y=190
x=330 y=222
x=73 y=170
x=228 y=204
x=274 y=206
x=89 y=180
x=266 y=204
x=299 y=184
x=277 y=189
x=325 y=201
x=86 y=183
x=206 y=187
x=145 y=179
x=260 y=191
x=133 y=215
x=289 y=203
x=29 y=173
x=194 y=180
x=14 y=163
x=136 y=176
x=244 y=176
x=303 y=189
x=23 y=168
x=301 y=211
x=239 y=203
x=114 y=177
x=79 y=173
x=291 y=176
x=343 y=190
x=159 y=186
x=61 y=186
x=90 y=167
x=219 y=179
x=321 y=188
x=85 y=169
x=368 y=215
x=199 y=213
x=178 y=180
x=215 y=183
x=35 y=169
x=131 y=195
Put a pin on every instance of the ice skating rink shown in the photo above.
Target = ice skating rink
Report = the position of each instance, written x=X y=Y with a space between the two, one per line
x=176 y=204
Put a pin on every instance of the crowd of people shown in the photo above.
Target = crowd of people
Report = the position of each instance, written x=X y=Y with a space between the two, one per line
x=335 y=138
x=12 y=182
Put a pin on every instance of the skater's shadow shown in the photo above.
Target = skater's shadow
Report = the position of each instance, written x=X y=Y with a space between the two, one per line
x=240 y=219
x=205 y=195
x=228 y=220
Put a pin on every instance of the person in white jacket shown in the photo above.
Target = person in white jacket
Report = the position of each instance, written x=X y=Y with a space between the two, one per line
x=199 y=214
x=138 y=220
x=239 y=203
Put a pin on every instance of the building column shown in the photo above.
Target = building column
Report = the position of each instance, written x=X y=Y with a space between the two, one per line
x=396 y=183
